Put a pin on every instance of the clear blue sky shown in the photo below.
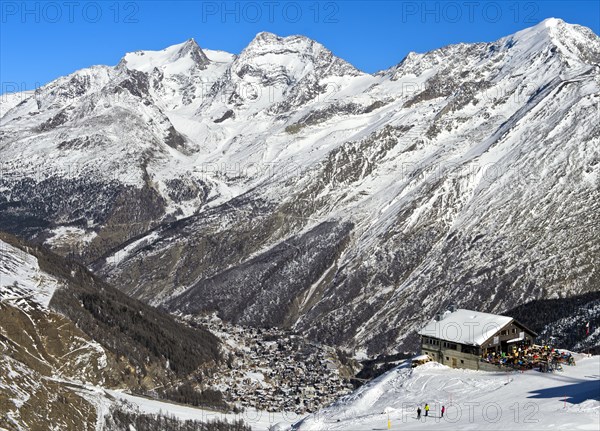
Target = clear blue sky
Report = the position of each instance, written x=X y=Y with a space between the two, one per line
x=40 y=41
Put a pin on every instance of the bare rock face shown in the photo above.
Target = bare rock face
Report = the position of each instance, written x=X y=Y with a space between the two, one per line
x=283 y=187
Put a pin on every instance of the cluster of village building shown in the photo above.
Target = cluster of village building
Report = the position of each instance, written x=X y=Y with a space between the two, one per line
x=273 y=370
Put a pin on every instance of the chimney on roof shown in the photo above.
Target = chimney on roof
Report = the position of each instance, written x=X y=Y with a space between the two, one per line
x=438 y=316
x=452 y=308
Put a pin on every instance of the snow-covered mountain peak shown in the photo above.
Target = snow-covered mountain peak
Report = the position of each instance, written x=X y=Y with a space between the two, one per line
x=271 y=40
x=553 y=45
x=554 y=27
x=552 y=22
x=267 y=41
x=573 y=41
x=192 y=49
x=175 y=59
x=265 y=37
x=295 y=53
x=276 y=74
x=543 y=32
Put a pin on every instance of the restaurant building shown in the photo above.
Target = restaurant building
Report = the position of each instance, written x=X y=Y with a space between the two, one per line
x=460 y=338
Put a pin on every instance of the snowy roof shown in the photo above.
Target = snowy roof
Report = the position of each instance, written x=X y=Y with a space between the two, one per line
x=465 y=326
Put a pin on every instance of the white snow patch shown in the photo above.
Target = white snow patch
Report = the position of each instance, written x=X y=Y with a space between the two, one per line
x=22 y=278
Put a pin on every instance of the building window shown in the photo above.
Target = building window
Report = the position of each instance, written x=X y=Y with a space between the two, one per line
x=473 y=350
x=429 y=341
x=447 y=358
x=462 y=362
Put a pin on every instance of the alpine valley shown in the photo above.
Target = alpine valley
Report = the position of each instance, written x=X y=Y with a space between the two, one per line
x=284 y=188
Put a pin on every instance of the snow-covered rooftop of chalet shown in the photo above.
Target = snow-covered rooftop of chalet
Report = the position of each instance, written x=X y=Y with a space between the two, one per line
x=465 y=326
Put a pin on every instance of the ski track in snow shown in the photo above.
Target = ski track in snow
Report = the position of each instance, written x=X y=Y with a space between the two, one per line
x=474 y=400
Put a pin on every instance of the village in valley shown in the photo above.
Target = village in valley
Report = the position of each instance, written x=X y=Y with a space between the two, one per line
x=275 y=370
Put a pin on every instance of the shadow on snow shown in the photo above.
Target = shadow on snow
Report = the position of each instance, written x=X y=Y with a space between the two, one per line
x=574 y=394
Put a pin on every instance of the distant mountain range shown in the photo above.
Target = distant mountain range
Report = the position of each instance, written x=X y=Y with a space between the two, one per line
x=284 y=187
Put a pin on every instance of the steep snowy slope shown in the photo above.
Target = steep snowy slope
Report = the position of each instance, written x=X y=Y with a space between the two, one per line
x=284 y=187
x=40 y=349
x=22 y=278
x=60 y=328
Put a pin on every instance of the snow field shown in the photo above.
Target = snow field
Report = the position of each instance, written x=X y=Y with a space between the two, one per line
x=473 y=399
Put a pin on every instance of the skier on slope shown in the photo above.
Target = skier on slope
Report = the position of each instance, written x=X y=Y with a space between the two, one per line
x=443 y=410
x=418 y=412
x=426 y=410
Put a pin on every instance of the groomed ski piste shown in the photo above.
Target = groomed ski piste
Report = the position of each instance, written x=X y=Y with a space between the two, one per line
x=474 y=400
